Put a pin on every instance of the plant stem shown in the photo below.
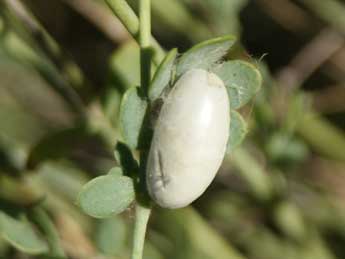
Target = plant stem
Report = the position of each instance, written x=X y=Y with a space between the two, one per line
x=145 y=23
x=331 y=11
x=145 y=42
x=253 y=173
x=126 y=15
x=322 y=136
x=142 y=212
x=129 y=19
x=142 y=215
x=45 y=223
x=45 y=55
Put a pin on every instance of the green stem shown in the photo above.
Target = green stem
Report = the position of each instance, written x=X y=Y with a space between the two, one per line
x=145 y=42
x=126 y=15
x=331 y=11
x=253 y=173
x=142 y=215
x=129 y=19
x=47 y=226
x=145 y=23
x=322 y=136
x=35 y=47
x=142 y=212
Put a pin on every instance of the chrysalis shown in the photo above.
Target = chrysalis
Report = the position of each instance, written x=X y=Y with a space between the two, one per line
x=189 y=140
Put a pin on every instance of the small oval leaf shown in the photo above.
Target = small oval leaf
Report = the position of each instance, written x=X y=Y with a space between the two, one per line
x=242 y=79
x=106 y=195
x=205 y=54
x=111 y=236
x=21 y=235
x=238 y=130
x=162 y=76
x=132 y=114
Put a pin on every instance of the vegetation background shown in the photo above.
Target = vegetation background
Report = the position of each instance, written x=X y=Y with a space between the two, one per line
x=64 y=65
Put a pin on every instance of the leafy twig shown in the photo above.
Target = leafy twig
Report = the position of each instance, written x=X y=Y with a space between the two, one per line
x=129 y=19
x=142 y=213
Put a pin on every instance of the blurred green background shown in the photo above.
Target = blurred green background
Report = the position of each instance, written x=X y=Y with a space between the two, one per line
x=64 y=65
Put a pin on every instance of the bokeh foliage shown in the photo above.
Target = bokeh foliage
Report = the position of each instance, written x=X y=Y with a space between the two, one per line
x=279 y=195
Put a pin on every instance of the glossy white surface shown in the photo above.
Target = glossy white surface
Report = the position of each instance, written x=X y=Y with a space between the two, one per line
x=190 y=139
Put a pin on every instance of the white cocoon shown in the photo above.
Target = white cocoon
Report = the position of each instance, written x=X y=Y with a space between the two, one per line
x=189 y=140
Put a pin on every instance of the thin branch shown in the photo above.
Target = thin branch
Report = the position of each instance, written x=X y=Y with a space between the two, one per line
x=330 y=100
x=142 y=212
x=46 y=46
x=297 y=20
x=44 y=221
x=310 y=58
x=142 y=215
x=288 y=15
x=331 y=11
x=129 y=19
x=145 y=42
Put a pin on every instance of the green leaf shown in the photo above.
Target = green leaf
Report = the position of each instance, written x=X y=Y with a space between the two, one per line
x=110 y=102
x=41 y=218
x=223 y=15
x=62 y=144
x=204 y=55
x=151 y=251
x=249 y=168
x=111 y=236
x=289 y=219
x=106 y=196
x=322 y=136
x=162 y=76
x=286 y=150
x=242 y=79
x=116 y=171
x=21 y=235
x=238 y=130
x=193 y=235
x=124 y=64
x=132 y=115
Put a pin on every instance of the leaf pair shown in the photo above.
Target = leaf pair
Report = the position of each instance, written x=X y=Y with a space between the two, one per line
x=203 y=56
x=241 y=78
x=134 y=106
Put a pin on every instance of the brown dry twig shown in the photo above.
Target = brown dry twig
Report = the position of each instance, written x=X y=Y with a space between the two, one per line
x=298 y=21
x=310 y=58
x=330 y=100
x=288 y=15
